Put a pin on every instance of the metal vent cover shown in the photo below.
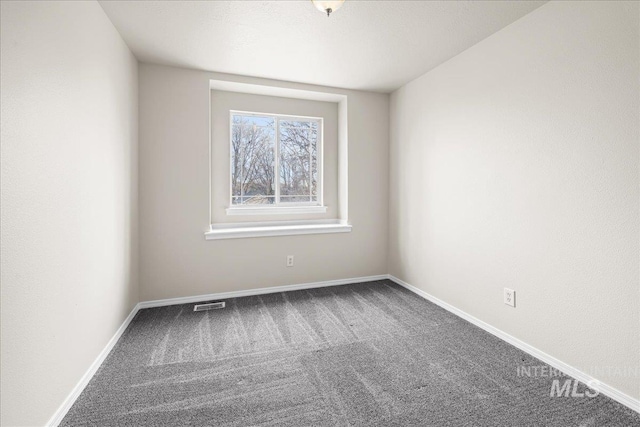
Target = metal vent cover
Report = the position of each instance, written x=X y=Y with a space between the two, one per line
x=209 y=306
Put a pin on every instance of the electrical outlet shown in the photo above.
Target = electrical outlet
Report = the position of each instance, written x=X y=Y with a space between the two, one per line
x=510 y=297
x=289 y=260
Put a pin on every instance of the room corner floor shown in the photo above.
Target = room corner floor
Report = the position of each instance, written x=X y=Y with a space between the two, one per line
x=364 y=354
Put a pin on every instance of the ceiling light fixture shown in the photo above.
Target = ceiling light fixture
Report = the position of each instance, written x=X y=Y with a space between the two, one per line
x=327 y=6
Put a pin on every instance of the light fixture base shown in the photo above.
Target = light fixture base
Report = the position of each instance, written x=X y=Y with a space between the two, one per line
x=327 y=6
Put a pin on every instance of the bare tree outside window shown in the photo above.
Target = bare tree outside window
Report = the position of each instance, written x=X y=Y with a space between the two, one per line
x=253 y=160
x=274 y=160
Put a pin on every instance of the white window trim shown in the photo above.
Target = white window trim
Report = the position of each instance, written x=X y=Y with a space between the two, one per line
x=281 y=208
x=275 y=228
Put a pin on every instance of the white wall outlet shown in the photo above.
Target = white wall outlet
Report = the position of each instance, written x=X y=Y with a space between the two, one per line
x=289 y=260
x=510 y=297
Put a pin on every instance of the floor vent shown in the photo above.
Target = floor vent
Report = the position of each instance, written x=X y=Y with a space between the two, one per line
x=208 y=306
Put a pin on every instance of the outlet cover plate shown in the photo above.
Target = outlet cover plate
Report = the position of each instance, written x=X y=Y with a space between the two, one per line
x=510 y=297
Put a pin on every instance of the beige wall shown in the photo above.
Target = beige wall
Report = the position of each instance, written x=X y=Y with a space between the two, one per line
x=174 y=196
x=69 y=197
x=222 y=102
x=515 y=164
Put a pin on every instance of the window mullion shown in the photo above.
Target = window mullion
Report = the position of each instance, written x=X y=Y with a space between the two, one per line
x=276 y=175
x=310 y=166
x=241 y=169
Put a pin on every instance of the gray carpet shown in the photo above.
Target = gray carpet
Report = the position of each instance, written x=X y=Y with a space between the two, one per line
x=369 y=354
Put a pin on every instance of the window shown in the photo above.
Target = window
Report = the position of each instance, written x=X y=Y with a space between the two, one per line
x=276 y=161
x=302 y=188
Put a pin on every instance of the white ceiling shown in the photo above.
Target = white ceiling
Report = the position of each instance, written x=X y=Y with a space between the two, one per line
x=369 y=45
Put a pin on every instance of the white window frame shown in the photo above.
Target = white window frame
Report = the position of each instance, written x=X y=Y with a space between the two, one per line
x=287 y=208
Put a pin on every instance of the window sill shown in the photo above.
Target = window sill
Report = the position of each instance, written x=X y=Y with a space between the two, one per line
x=275 y=228
x=279 y=210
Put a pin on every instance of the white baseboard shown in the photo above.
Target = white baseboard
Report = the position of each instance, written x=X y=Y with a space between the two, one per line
x=258 y=291
x=605 y=389
x=71 y=398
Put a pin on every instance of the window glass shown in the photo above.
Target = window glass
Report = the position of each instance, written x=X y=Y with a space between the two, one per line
x=274 y=160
